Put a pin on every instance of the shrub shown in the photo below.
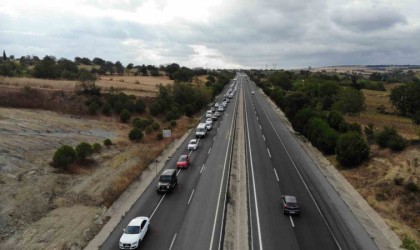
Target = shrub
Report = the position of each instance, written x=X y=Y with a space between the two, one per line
x=383 y=136
x=411 y=187
x=321 y=135
x=93 y=108
x=159 y=136
x=64 y=156
x=83 y=150
x=155 y=126
x=135 y=134
x=106 y=109
x=301 y=119
x=355 y=127
x=107 y=142
x=409 y=244
x=148 y=129
x=97 y=147
x=334 y=119
x=173 y=123
x=351 y=149
x=189 y=110
x=140 y=106
x=396 y=142
x=398 y=181
x=125 y=116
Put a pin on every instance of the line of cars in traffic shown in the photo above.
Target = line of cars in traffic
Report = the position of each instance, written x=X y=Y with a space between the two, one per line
x=138 y=227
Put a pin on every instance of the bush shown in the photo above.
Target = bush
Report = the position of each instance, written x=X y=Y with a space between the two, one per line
x=125 y=116
x=411 y=187
x=334 y=119
x=398 y=181
x=159 y=136
x=106 y=109
x=83 y=150
x=155 y=126
x=383 y=136
x=189 y=110
x=301 y=119
x=351 y=149
x=396 y=143
x=148 y=129
x=140 y=106
x=355 y=127
x=135 y=134
x=107 y=142
x=97 y=147
x=93 y=108
x=409 y=244
x=389 y=137
x=321 y=135
x=64 y=156
x=173 y=123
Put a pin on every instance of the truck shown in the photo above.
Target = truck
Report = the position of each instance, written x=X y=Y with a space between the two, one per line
x=201 y=130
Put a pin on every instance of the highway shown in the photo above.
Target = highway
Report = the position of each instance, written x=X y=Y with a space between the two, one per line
x=191 y=216
x=277 y=165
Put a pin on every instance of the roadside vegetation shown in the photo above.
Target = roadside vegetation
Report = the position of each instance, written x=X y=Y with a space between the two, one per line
x=367 y=126
x=89 y=167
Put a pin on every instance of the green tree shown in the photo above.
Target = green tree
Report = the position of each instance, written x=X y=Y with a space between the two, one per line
x=349 y=101
x=119 y=68
x=64 y=156
x=406 y=98
x=282 y=79
x=83 y=150
x=351 y=149
x=135 y=134
x=107 y=142
x=4 y=55
x=140 y=106
x=87 y=83
x=334 y=119
x=46 y=68
x=96 y=147
x=125 y=116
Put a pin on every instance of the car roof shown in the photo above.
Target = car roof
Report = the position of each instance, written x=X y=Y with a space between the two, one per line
x=168 y=172
x=193 y=140
x=290 y=198
x=137 y=221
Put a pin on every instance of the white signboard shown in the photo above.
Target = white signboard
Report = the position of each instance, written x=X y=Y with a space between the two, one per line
x=166 y=133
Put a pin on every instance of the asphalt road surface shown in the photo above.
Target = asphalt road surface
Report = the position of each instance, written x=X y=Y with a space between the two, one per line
x=190 y=217
x=277 y=165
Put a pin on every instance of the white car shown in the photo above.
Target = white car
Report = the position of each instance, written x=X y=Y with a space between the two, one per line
x=209 y=113
x=220 y=109
x=209 y=123
x=193 y=144
x=134 y=233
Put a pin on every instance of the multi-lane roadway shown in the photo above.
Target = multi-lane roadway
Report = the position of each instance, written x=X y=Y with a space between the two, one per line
x=193 y=215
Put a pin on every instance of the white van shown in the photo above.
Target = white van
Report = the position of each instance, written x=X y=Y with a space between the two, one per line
x=201 y=130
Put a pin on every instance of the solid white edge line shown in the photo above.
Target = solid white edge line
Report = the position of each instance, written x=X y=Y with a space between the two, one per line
x=303 y=181
x=268 y=150
x=291 y=221
x=154 y=211
x=253 y=183
x=275 y=172
x=220 y=191
x=202 y=168
x=189 y=200
x=173 y=241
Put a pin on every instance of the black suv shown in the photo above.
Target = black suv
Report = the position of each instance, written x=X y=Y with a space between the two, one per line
x=290 y=205
x=167 y=181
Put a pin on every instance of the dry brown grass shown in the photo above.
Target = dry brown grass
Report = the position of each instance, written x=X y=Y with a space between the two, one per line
x=136 y=85
x=375 y=180
x=374 y=99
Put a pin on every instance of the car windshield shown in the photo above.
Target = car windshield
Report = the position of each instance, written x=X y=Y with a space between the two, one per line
x=132 y=230
x=182 y=157
x=165 y=178
x=291 y=204
x=193 y=142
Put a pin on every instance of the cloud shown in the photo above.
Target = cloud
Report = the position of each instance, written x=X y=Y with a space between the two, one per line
x=202 y=33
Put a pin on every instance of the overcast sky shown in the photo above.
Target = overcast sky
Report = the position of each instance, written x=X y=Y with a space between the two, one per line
x=216 y=33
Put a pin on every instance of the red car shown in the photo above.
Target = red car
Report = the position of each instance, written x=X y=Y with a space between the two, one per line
x=183 y=161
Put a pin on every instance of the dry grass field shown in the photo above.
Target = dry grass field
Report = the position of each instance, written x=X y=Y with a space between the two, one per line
x=383 y=179
x=79 y=196
x=135 y=85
